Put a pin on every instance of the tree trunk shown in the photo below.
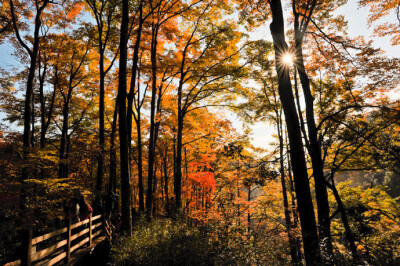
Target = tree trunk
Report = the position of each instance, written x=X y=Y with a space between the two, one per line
x=140 y=161
x=302 y=186
x=314 y=149
x=112 y=186
x=123 y=130
x=32 y=67
x=45 y=122
x=131 y=98
x=178 y=168
x=152 y=140
x=292 y=242
x=29 y=83
x=294 y=210
x=33 y=121
x=349 y=233
x=101 y=152
x=63 y=142
x=29 y=86
x=178 y=157
x=166 y=192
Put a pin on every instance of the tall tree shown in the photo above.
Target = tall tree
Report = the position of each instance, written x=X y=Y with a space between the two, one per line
x=105 y=15
x=72 y=52
x=33 y=52
x=46 y=113
x=302 y=186
x=264 y=102
x=208 y=62
x=135 y=91
x=162 y=14
x=312 y=143
x=123 y=130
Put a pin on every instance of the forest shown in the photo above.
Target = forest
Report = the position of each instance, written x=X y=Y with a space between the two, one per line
x=145 y=110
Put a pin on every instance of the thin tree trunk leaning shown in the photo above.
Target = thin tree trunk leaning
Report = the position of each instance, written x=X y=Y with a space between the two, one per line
x=292 y=242
x=156 y=130
x=302 y=186
x=342 y=209
x=297 y=238
x=314 y=149
x=152 y=139
x=123 y=130
x=313 y=146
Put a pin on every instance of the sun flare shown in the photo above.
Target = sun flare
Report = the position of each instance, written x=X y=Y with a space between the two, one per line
x=287 y=59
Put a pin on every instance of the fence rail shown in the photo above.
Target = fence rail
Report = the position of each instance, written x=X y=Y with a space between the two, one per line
x=46 y=250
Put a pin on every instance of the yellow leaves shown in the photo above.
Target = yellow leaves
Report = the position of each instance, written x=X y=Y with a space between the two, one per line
x=373 y=217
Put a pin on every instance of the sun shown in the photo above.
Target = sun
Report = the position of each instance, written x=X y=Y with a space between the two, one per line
x=287 y=59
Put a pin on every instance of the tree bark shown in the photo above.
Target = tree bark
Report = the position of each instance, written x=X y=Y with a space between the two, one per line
x=349 y=233
x=140 y=161
x=29 y=86
x=181 y=116
x=112 y=186
x=178 y=168
x=302 y=186
x=62 y=172
x=294 y=208
x=123 y=130
x=292 y=242
x=314 y=149
x=103 y=31
x=44 y=123
x=100 y=158
x=32 y=67
x=165 y=168
x=152 y=140
x=131 y=98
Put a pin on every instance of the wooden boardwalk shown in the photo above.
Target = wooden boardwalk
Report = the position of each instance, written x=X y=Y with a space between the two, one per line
x=64 y=246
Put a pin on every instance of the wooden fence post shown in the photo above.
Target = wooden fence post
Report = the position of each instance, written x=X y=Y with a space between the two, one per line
x=27 y=248
x=90 y=230
x=68 y=258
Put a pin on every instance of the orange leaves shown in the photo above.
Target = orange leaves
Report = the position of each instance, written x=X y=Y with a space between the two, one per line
x=201 y=175
x=380 y=9
x=73 y=11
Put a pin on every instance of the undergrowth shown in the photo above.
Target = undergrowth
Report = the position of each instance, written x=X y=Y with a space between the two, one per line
x=175 y=242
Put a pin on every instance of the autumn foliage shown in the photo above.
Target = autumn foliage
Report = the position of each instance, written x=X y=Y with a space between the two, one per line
x=144 y=100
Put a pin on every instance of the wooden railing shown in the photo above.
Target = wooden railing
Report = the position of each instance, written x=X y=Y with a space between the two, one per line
x=59 y=245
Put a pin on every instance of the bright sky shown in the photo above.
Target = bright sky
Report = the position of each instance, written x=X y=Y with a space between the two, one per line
x=262 y=132
x=357 y=25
